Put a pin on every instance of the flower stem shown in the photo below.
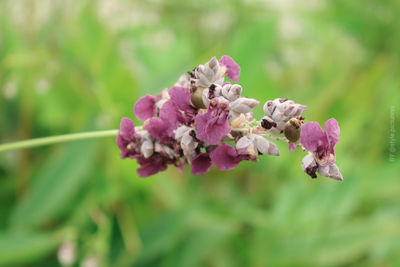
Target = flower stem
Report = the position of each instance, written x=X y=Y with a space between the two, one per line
x=56 y=139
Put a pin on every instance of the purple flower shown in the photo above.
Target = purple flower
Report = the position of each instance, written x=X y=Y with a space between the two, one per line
x=201 y=163
x=191 y=123
x=213 y=125
x=310 y=166
x=162 y=128
x=225 y=157
x=158 y=129
x=232 y=68
x=127 y=139
x=180 y=96
x=321 y=143
x=150 y=166
x=145 y=107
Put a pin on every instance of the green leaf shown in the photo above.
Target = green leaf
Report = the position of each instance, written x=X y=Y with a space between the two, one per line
x=200 y=244
x=18 y=249
x=160 y=235
x=55 y=186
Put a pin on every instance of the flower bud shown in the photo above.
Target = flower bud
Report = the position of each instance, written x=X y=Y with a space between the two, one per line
x=214 y=91
x=330 y=171
x=269 y=107
x=231 y=91
x=205 y=75
x=234 y=92
x=292 y=130
x=246 y=146
x=225 y=90
x=282 y=110
x=196 y=97
x=147 y=148
x=265 y=146
x=309 y=165
x=244 y=105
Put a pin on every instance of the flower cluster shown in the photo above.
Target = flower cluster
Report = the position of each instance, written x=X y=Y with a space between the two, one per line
x=321 y=145
x=204 y=120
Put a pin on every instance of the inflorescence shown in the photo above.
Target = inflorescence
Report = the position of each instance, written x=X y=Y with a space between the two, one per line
x=204 y=120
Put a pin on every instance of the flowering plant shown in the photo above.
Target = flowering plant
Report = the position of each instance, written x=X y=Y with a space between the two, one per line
x=204 y=120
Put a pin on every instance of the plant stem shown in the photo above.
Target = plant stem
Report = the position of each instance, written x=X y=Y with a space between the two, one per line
x=56 y=139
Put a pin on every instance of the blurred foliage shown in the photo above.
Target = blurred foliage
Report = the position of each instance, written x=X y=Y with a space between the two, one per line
x=70 y=66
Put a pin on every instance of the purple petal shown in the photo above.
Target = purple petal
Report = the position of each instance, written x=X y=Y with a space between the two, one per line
x=162 y=128
x=201 y=163
x=126 y=133
x=224 y=157
x=158 y=129
x=168 y=113
x=311 y=135
x=211 y=127
x=201 y=125
x=180 y=96
x=217 y=130
x=151 y=166
x=127 y=128
x=232 y=68
x=145 y=107
x=120 y=143
x=332 y=131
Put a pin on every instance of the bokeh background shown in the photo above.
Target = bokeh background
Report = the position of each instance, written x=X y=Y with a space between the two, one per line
x=77 y=65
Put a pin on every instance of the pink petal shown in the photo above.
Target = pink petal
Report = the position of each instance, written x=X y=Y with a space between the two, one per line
x=150 y=166
x=158 y=129
x=217 y=130
x=145 y=107
x=224 y=157
x=168 y=113
x=127 y=128
x=232 y=68
x=201 y=163
x=311 y=134
x=180 y=96
x=332 y=131
x=126 y=134
x=201 y=124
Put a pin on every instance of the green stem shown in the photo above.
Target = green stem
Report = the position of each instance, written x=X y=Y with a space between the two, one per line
x=56 y=139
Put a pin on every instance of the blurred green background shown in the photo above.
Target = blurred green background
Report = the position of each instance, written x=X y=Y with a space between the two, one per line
x=72 y=66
